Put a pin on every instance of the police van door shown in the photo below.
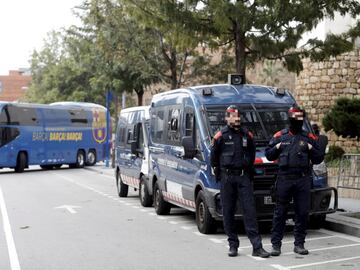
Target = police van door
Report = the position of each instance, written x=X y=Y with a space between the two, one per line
x=130 y=173
x=180 y=181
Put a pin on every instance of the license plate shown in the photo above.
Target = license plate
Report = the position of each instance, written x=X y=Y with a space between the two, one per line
x=268 y=200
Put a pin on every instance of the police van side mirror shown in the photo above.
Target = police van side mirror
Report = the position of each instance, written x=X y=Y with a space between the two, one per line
x=189 y=149
x=323 y=142
x=134 y=147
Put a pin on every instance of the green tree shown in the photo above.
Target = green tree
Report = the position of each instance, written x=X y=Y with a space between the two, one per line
x=173 y=44
x=271 y=29
x=344 y=118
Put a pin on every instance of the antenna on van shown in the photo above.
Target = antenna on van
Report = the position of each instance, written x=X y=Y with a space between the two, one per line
x=236 y=79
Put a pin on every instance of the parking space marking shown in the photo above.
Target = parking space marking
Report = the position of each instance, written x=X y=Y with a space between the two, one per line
x=341 y=235
x=14 y=260
x=133 y=202
x=326 y=248
x=280 y=267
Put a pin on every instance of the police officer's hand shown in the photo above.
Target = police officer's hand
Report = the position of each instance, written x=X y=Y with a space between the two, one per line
x=278 y=145
x=310 y=146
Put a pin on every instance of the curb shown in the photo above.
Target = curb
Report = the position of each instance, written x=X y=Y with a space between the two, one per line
x=343 y=223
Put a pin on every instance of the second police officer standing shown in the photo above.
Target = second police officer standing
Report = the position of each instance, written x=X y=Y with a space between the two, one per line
x=295 y=149
x=232 y=157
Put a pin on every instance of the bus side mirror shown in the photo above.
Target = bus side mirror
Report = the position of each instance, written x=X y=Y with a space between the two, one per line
x=323 y=142
x=189 y=149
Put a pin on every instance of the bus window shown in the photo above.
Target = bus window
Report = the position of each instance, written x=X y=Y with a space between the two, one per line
x=12 y=115
x=78 y=118
x=8 y=134
x=157 y=125
x=4 y=116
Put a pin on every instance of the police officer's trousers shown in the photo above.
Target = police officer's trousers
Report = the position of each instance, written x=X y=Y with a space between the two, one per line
x=287 y=189
x=235 y=188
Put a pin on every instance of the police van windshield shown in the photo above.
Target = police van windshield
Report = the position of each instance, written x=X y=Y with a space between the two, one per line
x=263 y=122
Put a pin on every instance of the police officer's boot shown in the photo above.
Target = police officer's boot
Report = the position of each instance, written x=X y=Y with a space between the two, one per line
x=233 y=252
x=276 y=251
x=260 y=252
x=300 y=249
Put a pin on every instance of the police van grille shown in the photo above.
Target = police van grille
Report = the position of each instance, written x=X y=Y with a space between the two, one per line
x=265 y=176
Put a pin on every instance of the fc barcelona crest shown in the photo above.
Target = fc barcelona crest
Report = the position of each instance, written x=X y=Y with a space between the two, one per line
x=99 y=125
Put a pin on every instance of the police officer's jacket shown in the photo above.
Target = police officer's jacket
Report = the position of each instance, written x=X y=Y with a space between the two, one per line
x=294 y=156
x=233 y=149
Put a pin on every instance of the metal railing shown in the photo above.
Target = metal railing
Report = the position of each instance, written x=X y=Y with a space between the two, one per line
x=349 y=173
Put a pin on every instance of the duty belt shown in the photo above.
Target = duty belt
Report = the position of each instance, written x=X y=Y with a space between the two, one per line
x=235 y=171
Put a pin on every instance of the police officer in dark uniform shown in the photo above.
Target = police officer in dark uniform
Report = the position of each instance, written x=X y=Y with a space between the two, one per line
x=295 y=150
x=232 y=157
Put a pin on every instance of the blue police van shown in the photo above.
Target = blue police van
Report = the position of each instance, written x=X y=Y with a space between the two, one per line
x=72 y=133
x=182 y=124
x=132 y=153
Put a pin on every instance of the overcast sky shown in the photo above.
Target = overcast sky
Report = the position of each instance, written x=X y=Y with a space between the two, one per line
x=23 y=27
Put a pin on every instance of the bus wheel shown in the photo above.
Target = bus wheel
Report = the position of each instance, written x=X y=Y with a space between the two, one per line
x=80 y=159
x=121 y=187
x=205 y=222
x=145 y=197
x=91 y=158
x=57 y=166
x=21 y=162
x=161 y=206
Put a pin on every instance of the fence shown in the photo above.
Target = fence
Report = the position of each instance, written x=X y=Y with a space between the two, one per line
x=349 y=174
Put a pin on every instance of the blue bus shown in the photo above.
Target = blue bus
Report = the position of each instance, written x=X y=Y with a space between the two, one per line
x=72 y=133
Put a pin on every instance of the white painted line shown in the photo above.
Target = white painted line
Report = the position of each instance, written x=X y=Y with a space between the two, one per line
x=136 y=207
x=341 y=235
x=14 y=260
x=279 y=267
x=292 y=241
x=326 y=248
x=198 y=233
x=187 y=227
x=217 y=241
x=146 y=210
x=70 y=208
x=152 y=214
x=174 y=222
x=318 y=263
x=256 y=258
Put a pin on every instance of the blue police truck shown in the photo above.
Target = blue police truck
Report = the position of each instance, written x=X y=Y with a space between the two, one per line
x=182 y=124
x=72 y=133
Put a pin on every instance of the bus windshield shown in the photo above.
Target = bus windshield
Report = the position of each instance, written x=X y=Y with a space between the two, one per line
x=262 y=122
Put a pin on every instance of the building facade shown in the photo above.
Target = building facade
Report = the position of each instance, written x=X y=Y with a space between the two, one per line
x=14 y=85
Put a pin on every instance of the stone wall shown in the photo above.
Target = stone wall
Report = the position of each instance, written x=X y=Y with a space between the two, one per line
x=321 y=83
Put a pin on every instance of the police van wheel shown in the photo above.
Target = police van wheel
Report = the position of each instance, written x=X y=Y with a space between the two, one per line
x=91 y=158
x=122 y=188
x=145 y=198
x=161 y=206
x=21 y=162
x=205 y=222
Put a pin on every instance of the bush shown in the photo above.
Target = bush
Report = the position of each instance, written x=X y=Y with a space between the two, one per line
x=344 y=118
x=335 y=153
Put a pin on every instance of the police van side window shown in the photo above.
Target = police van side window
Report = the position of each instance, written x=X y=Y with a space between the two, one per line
x=173 y=127
x=189 y=123
x=122 y=129
x=157 y=124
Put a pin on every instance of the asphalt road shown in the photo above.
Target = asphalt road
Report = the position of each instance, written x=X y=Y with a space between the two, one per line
x=73 y=219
